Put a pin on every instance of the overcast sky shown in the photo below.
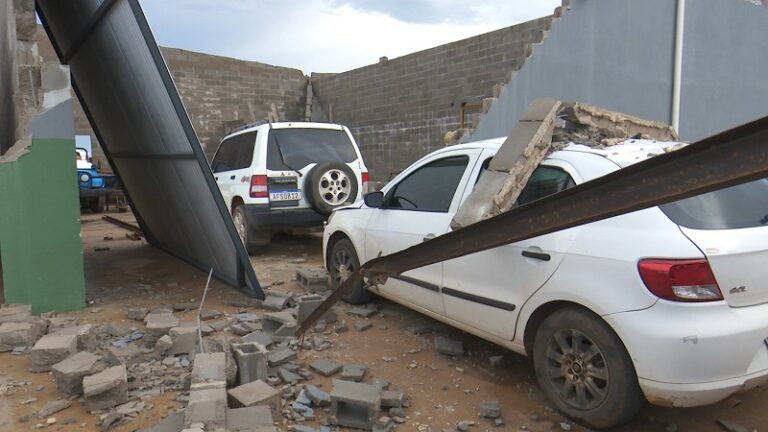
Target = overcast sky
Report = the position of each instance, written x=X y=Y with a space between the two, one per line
x=329 y=35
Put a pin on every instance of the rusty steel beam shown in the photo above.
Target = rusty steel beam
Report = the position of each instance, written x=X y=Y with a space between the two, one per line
x=125 y=225
x=732 y=157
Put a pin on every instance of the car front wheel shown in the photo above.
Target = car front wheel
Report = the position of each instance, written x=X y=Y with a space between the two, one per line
x=342 y=263
x=584 y=369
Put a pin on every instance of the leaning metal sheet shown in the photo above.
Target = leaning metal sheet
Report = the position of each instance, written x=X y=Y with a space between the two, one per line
x=125 y=88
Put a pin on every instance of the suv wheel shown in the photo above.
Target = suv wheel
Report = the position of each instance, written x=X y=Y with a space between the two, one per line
x=253 y=242
x=583 y=367
x=330 y=185
x=342 y=262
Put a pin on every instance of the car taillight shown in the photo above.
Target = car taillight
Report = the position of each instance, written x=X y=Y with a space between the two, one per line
x=259 y=186
x=366 y=178
x=680 y=280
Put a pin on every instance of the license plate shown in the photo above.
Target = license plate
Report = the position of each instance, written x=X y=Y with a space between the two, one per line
x=285 y=195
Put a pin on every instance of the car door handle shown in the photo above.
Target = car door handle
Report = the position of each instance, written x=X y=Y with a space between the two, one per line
x=428 y=237
x=537 y=255
x=232 y=178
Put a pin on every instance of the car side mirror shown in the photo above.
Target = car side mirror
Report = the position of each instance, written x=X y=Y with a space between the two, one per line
x=374 y=199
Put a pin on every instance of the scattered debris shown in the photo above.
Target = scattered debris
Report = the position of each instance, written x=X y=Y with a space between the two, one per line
x=450 y=347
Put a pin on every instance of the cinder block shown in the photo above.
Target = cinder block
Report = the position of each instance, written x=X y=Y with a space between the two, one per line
x=106 y=389
x=249 y=418
x=207 y=406
x=312 y=280
x=354 y=404
x=69 y=373
x=252 y=362
x=256 y=393
x=307 y=304
x=15 y=335
x=209 y=370
x=50 y=350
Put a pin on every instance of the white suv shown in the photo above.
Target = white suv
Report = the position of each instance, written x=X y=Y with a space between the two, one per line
x=287 y=176
x=668 y=304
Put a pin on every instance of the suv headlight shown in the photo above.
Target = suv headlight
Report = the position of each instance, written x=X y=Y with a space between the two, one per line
x=84 y=177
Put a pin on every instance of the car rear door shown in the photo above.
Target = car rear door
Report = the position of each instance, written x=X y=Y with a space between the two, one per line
x=418 y=207
x=730 y=227
x=485 y=290
x=231 y=165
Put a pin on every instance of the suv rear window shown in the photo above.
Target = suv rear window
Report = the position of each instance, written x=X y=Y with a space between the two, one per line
x=234 y=153
x=302 y=147
x=741 y=206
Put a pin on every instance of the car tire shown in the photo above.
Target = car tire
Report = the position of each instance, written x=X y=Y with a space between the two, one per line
x=254 y=242
x=584 y=369
x=330 y=185
x=342 y=262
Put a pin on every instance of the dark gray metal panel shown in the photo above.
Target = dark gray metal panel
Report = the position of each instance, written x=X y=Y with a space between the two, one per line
x=127 y=92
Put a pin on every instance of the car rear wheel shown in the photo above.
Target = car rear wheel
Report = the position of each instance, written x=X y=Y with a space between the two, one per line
x=330 y=185
x=254 y=242
x=583 y=367
x=342 y=263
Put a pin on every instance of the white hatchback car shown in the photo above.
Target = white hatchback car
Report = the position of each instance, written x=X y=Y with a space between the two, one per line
x=667 y=304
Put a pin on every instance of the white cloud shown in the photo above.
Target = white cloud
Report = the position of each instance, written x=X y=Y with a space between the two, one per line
x=328 y=35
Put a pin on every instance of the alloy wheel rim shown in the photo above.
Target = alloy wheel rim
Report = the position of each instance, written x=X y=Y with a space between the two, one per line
x=576 y=369
x=343 y=266
x=335 y=187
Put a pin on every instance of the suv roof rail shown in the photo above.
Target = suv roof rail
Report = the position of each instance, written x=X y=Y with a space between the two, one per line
x=247 y=126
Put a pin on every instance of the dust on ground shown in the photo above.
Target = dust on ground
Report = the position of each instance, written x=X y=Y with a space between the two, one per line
x=442 y=391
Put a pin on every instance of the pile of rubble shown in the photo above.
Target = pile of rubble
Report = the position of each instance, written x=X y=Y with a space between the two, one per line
x=244 y=374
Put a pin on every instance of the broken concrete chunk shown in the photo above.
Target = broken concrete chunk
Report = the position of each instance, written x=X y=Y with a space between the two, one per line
x=249 y=418
x=207 y=406
x=69 y=372
x=363 y=325
x=383 y=424
x=161 y=311
x=160 y=324
x=163 y=344
x=16 y=335
x=106 y=389
x=258 y=337
x=490 y=409
x=172 y=423
x=307 y=304
x=731 y=426
x=353 y=372
x=209 y=314
x=50 y=350
x=184 y=340
x=312 y=279
x=318 y=397
x=392 y=399
x=53 y=407
x=361 y=311
x=137 y=313
x=15 y=313
x=325 y=367
x=288 y=377
x=281 y=356
x=252 y=361
x=256 y=393
x=496 y=361
x=85 y=334
x=354 y=404
x=450 y=347
x=275 y=302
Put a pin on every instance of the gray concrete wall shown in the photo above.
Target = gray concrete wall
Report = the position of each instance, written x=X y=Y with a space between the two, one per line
x=620 y=55
x=400 y=109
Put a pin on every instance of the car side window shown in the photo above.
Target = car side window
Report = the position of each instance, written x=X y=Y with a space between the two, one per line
x=234 y=153
x=430 y=188
x=544 y=181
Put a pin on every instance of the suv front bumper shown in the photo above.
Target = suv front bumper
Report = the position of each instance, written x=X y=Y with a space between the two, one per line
x=263 y=217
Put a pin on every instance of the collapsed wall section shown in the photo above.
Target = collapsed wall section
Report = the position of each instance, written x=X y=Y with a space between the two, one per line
x=401 y=109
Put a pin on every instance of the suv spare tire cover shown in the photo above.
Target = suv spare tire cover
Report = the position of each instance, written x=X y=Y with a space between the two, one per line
x=330 y=185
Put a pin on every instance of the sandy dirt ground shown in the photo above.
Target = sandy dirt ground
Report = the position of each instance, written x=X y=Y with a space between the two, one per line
x=442 y=391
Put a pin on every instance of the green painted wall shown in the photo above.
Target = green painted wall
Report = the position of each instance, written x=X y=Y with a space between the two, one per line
x=40 y=228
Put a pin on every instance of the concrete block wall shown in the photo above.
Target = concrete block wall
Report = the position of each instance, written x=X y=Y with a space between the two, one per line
x=400 y=109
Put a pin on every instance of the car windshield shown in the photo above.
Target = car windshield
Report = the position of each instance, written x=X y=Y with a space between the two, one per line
x=741 y=206
x=301 y=147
